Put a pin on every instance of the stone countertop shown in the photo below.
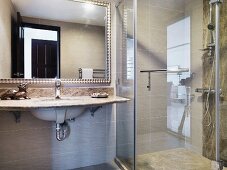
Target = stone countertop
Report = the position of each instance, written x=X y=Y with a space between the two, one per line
x=50 y=102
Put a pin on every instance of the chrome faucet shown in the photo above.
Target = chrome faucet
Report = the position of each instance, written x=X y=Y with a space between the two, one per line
x=57 y=88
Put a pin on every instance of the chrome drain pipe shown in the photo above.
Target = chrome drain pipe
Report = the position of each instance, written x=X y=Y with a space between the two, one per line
x=62 y=131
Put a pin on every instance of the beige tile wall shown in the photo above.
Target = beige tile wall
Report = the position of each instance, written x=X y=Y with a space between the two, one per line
x=194 y=9
x=6 y=12
x=153 y=18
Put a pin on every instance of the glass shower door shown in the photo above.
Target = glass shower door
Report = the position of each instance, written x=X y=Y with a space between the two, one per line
x=125 y=153
x=175 y=125
x=175 y=108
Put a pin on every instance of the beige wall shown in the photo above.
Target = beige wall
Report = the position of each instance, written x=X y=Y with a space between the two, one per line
x=194 y=9
x=6 y=11
x=82 y=46
x=153 y=19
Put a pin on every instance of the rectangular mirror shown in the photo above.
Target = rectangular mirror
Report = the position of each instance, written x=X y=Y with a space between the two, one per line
x=66 y=39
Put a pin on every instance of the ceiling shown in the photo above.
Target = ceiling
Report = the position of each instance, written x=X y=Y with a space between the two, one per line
x=62 y=10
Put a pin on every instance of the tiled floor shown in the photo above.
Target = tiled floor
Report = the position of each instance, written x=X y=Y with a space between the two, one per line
x=174 y=159
x=158 y=141
x=105 y=166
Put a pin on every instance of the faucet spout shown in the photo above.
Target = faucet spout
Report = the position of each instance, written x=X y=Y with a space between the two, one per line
x=57 y=88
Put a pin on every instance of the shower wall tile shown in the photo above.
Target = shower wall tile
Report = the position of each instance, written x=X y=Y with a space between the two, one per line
x=196 y=135
x=151 y=104
x=144 y=112
x=174 y=5
x=197 y=108
x=143 y=126
x=154 y=40
x=144 y=107
x=159 y=16
x=157 y=112
x=194 y=9
x=148 y=59
x=159 y=124
x=153 y=19
x=192 y=4
x=143 y=138
x=158 y=87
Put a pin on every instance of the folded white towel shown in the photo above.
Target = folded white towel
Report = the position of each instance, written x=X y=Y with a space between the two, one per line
x=87 y=73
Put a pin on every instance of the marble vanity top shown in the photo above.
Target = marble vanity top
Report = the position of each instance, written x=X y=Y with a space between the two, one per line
x=50 y=102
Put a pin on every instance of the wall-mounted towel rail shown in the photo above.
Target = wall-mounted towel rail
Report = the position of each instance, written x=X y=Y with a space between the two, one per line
x=178 y=71
x=97 y=73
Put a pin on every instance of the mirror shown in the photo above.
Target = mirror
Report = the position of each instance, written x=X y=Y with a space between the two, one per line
x=67 y=39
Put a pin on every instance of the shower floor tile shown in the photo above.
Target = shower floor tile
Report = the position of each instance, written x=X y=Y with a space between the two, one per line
x=174 y=159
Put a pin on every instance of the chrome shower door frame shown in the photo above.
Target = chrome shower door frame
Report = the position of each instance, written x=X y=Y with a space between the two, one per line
x=217 y=76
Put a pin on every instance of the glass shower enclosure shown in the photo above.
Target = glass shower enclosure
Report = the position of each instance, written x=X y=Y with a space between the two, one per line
x=172 y=58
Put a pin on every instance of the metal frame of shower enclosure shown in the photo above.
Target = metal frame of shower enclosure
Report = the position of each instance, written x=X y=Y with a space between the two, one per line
x=217 y=76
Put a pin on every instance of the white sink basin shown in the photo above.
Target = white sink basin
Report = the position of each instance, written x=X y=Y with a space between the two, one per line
x=58 y=115
x=58 y=110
